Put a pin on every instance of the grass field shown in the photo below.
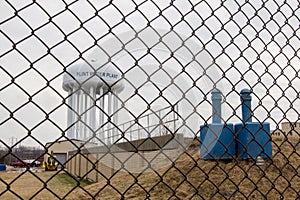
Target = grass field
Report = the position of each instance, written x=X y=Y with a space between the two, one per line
x=25 y=185
x=189 y=178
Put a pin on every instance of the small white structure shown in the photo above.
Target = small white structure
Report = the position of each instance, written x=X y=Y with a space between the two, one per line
x=92 y=100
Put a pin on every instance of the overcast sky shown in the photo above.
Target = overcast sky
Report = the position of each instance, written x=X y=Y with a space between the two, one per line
x=242 y=45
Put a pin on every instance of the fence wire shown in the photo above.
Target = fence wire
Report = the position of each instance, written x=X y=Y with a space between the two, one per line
x=122 y=92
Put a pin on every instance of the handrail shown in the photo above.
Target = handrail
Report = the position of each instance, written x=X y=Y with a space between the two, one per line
x=148 y=129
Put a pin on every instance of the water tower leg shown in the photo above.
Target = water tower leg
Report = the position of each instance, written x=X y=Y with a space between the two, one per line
x=115 y=118
x=77 y=114
x=70 y=112
x=101 y=115
x=73 y=128
x=109 y=103
x=81 y=109
x=85 y=117
x=92 y=113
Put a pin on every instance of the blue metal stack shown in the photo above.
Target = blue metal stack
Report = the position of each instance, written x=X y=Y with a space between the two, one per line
x=253 y=138
x=217 y=139
x=246 y=140
x=2 y=167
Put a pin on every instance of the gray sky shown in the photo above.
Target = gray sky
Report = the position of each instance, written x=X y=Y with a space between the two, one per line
x=262 y=43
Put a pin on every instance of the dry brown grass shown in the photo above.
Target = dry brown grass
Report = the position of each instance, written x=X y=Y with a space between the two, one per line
x=194 y=178
x=16 y=185
x=189 y=178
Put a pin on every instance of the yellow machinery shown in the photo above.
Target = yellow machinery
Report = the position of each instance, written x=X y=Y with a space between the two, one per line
x=51 y=163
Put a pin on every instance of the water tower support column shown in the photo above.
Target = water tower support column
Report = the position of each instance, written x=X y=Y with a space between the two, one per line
x=101 y=115
x=74 y=112
x=92 y=113
x=80 y=113
x=77 y=114
x=85 y=117
x=70 y=113
x=115 y=118
x=109 y=103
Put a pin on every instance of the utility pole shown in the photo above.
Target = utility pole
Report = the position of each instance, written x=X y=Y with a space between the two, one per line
x=13 y=140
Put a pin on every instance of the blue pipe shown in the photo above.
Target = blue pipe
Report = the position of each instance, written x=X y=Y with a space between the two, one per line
x=246 y=105
x=216 y=97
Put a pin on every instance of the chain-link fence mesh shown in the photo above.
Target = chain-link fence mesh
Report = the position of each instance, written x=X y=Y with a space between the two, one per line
x=141 y=99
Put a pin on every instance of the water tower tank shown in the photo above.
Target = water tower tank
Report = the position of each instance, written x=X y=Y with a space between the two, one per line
x=69 y=80
x=111 y=78
x=83 y=75
x=87 y=76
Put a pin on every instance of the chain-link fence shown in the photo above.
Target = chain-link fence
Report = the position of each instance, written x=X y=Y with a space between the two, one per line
x=149 y=99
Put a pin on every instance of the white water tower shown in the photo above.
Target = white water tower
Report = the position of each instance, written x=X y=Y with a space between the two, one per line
x=92 y=99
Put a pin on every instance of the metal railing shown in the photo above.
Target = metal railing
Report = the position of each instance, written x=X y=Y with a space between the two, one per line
x=143 y=127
